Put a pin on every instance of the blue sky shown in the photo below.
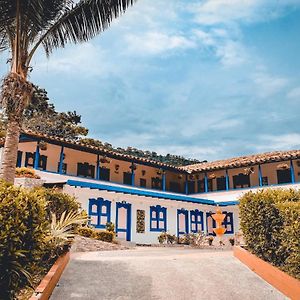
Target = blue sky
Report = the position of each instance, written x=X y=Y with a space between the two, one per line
x=205 y=79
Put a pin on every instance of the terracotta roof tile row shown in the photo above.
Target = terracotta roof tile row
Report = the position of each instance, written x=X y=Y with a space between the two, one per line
x=244 y=161
x=236 y=162
x=102 y=150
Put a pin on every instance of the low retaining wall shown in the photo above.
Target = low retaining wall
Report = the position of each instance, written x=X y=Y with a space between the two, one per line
x=47 y=285
x=285 y=283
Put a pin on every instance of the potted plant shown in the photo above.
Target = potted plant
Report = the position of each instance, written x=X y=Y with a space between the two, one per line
x=43 y=145
x=231 y=241
x=248 y=171
x=282 y=166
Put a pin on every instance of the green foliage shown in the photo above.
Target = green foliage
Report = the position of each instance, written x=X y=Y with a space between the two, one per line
x=26 y=172
x=58 y=202
x=62 y=230
x=104 y=236
x=166 y=237
x=270 y=224
x=41 y=116
x=110 y=227
x=23 y=229
x=86 y=231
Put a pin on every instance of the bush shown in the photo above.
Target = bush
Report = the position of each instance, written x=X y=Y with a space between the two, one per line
x=86 y=231
x=23 y=228
x=110 y=227
x=271 y=227
x=26 y=172
x=58 y=202
x=166 y=237
x=104 y=236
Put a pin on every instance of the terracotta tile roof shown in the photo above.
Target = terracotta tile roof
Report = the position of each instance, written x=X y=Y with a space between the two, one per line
x=244 y=161
x=103 y=151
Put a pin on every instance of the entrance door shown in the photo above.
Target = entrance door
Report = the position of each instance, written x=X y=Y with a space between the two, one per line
x=182 y=222
x=123 y=221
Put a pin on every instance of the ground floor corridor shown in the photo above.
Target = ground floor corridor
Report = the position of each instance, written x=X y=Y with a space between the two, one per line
x=160 y=273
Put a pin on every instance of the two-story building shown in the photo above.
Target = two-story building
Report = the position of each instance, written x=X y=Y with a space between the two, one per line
x=143 y=197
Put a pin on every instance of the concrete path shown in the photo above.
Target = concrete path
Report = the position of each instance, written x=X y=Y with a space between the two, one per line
x=160 y=273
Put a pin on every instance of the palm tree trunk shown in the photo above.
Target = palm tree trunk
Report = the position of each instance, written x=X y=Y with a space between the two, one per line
x=10 y=151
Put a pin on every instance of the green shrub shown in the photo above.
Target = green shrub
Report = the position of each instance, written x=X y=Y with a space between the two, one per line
x=104 y=236
x=270 y=225
x=86 y=231
x=26 y=172
x=110 y=227
x=23 y=228
x=58 y=202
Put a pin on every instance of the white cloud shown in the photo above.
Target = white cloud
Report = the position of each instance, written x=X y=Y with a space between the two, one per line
x=269 y=85
x=294 y=93
x=157 y=43
x=213 y=12
x=279 y=142
x=81 y=59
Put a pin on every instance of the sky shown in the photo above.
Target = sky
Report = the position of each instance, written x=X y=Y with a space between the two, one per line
x=205 y=79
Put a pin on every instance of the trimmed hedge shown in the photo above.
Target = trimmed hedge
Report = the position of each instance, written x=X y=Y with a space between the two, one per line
x=58 y=202
x=104 y=236
x=86 y=231
x=23 y=229
x=270 y=221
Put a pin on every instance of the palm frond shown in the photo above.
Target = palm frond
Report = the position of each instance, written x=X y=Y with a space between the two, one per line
x=81 y=23
x=63 y=230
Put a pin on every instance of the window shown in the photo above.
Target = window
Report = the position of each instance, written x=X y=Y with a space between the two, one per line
x=284 y=176
x=19 y=159
x=158 y=218
x=156 y=183
x=30 y=159
x=182 y=221
x=99 y=211
x=85 y=170
x=104 y=174
x=228 y=222
x=196 y=221
x=265 y=180
x=191 y=187
x=143 y=182
x=127 y=178
x=175 y=187
x=201 y=185
x=210 y=224
x=221 y=183
x=241 y=181
x=140 y=221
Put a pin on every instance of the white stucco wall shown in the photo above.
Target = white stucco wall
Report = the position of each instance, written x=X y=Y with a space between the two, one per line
x=140 y=202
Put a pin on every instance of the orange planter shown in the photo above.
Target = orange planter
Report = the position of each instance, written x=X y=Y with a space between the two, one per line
x=47 y=285
x=285 y=283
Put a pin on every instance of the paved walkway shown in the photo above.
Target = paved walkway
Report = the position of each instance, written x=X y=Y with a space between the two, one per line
x=160 y=273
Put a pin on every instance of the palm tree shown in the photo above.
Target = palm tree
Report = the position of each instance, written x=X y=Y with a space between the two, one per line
x=25 y=25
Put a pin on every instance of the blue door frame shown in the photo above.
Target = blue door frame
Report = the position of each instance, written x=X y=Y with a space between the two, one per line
x=127 y=206
x=186 y=215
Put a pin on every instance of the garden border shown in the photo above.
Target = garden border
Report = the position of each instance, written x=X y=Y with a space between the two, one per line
x=48 y=283
x=285 y=283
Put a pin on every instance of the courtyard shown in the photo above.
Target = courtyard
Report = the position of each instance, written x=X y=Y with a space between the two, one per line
x=160 y=273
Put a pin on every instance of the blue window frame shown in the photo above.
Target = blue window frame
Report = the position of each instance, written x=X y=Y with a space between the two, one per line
x=196 y=220
x=99 y=211
x=210 y=224
x=182 y=221
x=228 y=222
x=158 y=218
